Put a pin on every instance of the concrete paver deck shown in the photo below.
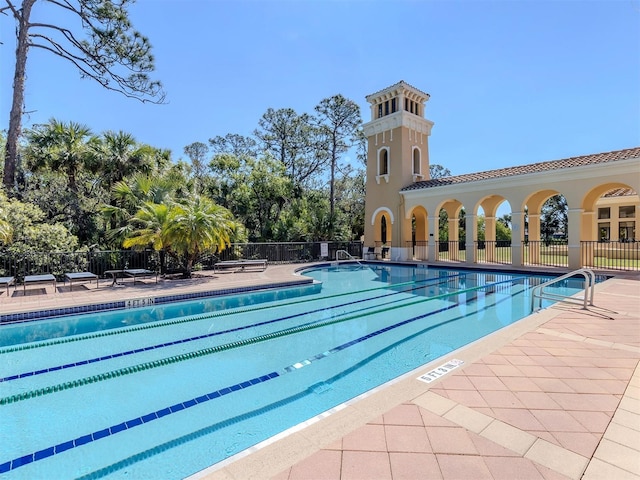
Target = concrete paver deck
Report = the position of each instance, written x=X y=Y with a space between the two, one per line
x=555 y=396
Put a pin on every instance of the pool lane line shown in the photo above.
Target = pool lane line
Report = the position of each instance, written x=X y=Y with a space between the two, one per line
x=209 y=429
x=97 y=435
x=181 y=320
x=18 y=397
x=182 y=341
x=209 y=335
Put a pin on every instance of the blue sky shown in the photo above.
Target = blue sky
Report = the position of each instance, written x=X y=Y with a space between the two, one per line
x=511 y=82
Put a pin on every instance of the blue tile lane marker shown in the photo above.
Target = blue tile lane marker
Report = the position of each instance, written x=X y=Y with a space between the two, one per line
x=119 y=305
x=208 y=335
x=47 y=452
x=92 y=437
x=25 y=395
x=178 y=321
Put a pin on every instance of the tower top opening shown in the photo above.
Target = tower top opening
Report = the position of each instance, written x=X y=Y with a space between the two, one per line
x=397 y=98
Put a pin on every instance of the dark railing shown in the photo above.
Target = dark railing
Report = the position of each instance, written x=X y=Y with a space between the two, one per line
x=611 y=255
x=419 y=249
x=493 y=251
x=383 y=249
x=552 y=253
x=600 y=255
x=451 y=251
x=290 y=252
x=58 y=263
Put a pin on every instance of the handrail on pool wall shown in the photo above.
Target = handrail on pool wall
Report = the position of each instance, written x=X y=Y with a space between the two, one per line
x=589 y=284
x=348 y=255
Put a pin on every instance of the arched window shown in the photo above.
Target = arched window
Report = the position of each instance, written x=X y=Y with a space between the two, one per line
x=383 y=229
x=383 y=163
x=416 y=162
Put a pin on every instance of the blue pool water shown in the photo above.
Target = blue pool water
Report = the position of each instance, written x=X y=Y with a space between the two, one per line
x=163 y=392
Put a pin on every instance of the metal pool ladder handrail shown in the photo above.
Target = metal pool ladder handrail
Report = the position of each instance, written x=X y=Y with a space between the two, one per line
x=348 y=255
x=589 y=284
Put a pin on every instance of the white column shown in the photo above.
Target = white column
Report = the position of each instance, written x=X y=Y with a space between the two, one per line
x=471 y=233
x=517 y=235
x=434 y=235
x=574 y=220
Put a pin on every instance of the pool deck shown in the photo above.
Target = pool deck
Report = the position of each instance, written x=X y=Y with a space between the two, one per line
x=555 y=396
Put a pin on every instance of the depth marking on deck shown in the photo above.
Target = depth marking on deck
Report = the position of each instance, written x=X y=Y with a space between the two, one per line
x=440 y=371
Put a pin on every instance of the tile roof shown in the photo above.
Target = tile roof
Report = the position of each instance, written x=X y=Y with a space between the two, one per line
x=620 y=192
x=397 y=85
x=531 y=168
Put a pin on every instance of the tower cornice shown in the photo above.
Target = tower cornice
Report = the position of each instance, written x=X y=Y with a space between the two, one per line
x=398 y=119
x=401 y=88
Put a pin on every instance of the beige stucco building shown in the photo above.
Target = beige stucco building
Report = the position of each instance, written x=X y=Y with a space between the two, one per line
x=403 y=204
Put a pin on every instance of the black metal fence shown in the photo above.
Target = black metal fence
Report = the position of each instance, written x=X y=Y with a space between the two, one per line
x=493 y=251
x=420 y=249
x=290 y=252
x=451 y=251
x=552 y=253
x=58 y=263
x=600 y=255
x=611 y=255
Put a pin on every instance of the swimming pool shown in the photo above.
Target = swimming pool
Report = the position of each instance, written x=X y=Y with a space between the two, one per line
x=197 y=382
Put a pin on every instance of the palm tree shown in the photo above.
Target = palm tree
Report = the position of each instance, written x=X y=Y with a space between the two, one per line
x=197 y=225
x=129 y=197
x=183 y=229
x=150 y=223
x=148 y=227
x=6 y=231
x=66 y=147
x=119 y=155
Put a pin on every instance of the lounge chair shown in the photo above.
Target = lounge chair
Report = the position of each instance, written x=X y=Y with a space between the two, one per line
x=35 y=279
x=7 y=281
x=140 y=273
x=80 y=277
x=241 y=265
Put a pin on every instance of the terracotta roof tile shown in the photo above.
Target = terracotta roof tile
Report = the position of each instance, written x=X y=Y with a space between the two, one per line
x=531 y=168
x=396 y=85
x=620 y=192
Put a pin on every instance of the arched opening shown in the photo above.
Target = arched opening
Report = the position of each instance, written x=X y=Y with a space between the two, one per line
x=419 y=242
x=451 y=231
x=383 y=229
x=416 y=162
x=383 y=162
x=493 y=231
x=608 y=234
x=546 y=229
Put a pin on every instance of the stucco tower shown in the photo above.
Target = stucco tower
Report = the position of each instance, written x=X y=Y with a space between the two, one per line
x=397 y=155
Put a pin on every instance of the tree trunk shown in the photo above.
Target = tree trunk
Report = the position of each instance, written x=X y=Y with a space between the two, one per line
x=189 y=267
x=15 y=117
x=163 y=263
x=332 y=187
